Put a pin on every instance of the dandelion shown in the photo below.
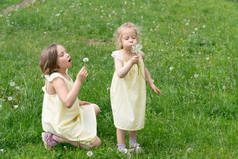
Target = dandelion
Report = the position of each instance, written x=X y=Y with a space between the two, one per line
x=195 y=75
x=204 y=26
x=187 y=23
x=224 y=87
x=18 y=88
x=195 y=29
x=136 y=48
x=171 y=68
x=90 y=153
x=15 y=106
x=207 y=58
x=193 y=32
x=12 y=83
x=189 y=149
x=85 y=59
x=1 y=150
x=58 y=14
x=9 y=98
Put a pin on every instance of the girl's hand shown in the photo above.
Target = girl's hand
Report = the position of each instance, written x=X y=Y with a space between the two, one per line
x=81 y=103
x=156 y=90
x=134 y=59
x=82 y=75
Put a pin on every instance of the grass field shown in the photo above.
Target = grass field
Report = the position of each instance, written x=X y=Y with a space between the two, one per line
x=191 y=53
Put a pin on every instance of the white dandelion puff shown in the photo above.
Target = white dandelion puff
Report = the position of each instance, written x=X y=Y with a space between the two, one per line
x=195 y=75
x=12 y=83
x=136 y=48
x=18 y=88
x=1 y=150
x=189 y=149
x=9 y=98
x=85 y=59
x=186 y=23
x=224 y=87
x=58 y=14
x=207 y=58
x=196 y=29
x=90 y=153
x=171 y=68
x=15 y=106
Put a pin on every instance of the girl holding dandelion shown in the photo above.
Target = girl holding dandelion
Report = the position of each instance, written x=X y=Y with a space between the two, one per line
x=65 y=118
x=128 y=87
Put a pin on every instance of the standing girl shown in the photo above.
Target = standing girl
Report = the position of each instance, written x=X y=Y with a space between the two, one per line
x=64 y=117
x=128 y=88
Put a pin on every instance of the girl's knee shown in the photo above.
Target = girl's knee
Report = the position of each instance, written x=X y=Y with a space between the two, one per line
x=96 y=108
x=97 y=142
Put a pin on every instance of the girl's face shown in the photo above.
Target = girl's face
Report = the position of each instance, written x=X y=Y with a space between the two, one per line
x=63 y=59
x=129 y=38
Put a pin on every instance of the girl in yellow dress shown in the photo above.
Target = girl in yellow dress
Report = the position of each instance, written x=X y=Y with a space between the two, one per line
x=64 y=117
x=128 y=87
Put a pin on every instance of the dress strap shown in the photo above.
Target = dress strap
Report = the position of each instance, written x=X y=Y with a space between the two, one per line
x=117 y=54
x=51 y=77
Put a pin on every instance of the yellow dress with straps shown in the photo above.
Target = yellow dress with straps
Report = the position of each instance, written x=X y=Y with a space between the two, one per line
x=128 y=96
x=77 y=123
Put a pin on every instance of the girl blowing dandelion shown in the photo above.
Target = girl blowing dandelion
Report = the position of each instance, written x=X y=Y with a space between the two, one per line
x=128 y=88
x=65 y=118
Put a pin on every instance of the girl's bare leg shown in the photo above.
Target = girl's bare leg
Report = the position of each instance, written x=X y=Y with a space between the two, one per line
x=62 y=140
x=96 y=108
x=120 y=137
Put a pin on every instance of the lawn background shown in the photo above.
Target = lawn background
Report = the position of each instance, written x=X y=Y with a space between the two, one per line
x=191 y=53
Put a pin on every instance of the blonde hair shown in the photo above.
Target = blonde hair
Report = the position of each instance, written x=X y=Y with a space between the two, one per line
x=118 y=33
x=48 y=59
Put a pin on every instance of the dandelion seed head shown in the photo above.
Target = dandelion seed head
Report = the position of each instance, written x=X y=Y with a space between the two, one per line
x=207 y=58
x=89 y=153
x=12 y=83
x=195 y=75
x=171 y=68
x=1 y=150
x=58 y=14
x=85 y=59
x=189 y=149
x=187 y=23
x=9 y=98
x=15 y=106
x=195 y=29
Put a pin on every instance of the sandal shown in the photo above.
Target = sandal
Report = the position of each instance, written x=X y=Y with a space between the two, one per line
x=136 y=147
x=48 y=140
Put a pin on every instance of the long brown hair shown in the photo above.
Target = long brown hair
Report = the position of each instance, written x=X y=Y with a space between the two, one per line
x=48 y=59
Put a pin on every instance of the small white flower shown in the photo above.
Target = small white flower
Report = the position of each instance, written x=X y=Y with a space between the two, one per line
x=1 y=150
x=186 y=23
x=15 y=106
x=58 y=14
x=9 y=98
x=89 y=153
x=136 y=48
x=189 y=149
x=44 y=32
x=207 y=58
x=195 y=29
x=12 y=83
x=85 y=59
x=195 y=75
x=171 y=68
x=193 y=32
x=17 y=87
x=204 y=26
x=224 y=87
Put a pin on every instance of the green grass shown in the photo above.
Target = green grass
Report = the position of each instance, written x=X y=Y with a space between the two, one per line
x=194 y=118
x=6 y=3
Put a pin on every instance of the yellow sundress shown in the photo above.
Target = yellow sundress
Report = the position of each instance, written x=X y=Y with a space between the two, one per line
x=77 y=123
x=128 y=96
